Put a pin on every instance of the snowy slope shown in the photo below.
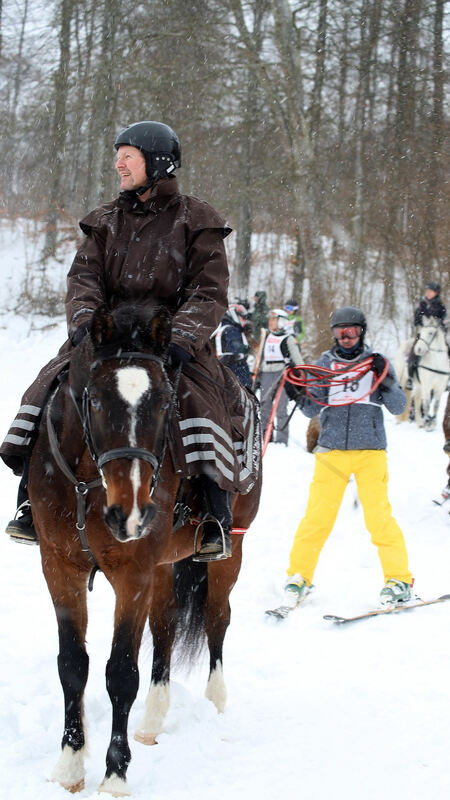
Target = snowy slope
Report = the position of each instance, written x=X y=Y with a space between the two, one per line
x=314 y=710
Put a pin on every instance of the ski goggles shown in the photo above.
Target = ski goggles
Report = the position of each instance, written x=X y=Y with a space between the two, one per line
x=290 y=309
x=347 y=331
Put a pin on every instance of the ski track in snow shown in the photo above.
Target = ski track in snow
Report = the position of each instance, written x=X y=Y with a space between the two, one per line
x=314 y=710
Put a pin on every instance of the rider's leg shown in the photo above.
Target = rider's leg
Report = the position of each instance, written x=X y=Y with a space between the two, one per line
x=216 y=538
x=21 y=528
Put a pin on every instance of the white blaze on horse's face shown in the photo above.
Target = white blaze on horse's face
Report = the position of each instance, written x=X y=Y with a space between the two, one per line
x=133 y=384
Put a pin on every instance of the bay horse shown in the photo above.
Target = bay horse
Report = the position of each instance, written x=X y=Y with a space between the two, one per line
x=103 y=490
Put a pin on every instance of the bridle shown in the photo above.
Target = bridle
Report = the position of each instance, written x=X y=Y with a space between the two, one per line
x=430 y=349
x=100 y=459
x=82 y=487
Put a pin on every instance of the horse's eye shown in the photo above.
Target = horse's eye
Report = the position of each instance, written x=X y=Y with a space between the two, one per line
x=95 y=403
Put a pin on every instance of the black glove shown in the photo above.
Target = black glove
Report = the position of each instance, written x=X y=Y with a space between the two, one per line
x=294 y=392
x=378 y=364
x=79 y=334
x=177 y=355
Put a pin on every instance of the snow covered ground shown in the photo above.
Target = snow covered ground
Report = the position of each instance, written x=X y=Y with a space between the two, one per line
x=314 y=710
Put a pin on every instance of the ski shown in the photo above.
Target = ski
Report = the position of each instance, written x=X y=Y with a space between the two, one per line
x=444 y=498
x=388 y=610
x=283 y=611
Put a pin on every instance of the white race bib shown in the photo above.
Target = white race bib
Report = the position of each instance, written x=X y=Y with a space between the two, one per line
x=354 y=388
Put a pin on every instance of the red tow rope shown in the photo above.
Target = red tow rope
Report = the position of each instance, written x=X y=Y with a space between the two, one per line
x=323 y=377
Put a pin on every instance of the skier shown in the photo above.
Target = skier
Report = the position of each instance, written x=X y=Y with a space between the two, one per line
x=352 y=440
x=280 y=351
x=154 y=244
x=296 y=324
x=232 y=345
x=430 y=305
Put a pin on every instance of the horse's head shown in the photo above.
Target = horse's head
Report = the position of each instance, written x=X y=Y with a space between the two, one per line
x=126 y=407
x=431 y=333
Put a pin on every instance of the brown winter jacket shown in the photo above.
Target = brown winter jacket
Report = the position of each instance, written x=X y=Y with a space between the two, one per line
x=169 y=249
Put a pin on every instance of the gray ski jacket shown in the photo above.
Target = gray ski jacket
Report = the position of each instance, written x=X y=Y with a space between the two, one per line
x=359 y=426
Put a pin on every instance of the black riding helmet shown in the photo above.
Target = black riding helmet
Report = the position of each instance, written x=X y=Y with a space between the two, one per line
x=434 y=286
x=159 y=145
x=348 y=315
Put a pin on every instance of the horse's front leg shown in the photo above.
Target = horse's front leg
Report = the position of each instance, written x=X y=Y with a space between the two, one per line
x=162 y=620
x=67 y=586
x=122 y=682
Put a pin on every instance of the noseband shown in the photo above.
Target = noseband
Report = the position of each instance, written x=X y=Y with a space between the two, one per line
x=121 y=452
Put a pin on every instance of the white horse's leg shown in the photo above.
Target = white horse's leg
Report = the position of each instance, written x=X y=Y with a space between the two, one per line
x=216 y=691
x=69 y=772
x=156 y=708
x=115 y=786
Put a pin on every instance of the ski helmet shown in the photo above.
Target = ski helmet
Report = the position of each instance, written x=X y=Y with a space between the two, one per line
x=348 y=315
x=434 y=286
x=159 y=145
x=281 y=316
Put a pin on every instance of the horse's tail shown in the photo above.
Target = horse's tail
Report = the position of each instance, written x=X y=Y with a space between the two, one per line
x=190 y=582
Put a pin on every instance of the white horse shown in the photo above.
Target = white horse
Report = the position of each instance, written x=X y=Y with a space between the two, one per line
x=431 y=376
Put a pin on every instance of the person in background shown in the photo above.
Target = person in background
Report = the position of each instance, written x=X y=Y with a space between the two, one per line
x=352 y=440
x=296 y=324
x=232 y=345
x=430 y=305
x=280 y=351
x=259 y=314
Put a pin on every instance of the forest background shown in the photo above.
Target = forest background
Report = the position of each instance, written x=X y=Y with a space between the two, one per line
x=319 y=129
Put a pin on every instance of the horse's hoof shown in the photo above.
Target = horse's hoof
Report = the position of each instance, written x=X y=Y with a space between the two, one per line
x=115 y=786
x=76 y=787
x=72 y=787
x=145 y=738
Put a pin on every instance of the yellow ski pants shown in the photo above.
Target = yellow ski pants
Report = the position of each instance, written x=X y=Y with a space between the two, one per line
x=331 y=475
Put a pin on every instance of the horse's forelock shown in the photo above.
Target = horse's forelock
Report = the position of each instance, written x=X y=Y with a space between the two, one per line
x=138 y=327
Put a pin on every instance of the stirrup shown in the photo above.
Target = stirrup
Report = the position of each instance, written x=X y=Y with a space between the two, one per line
x=214 y=555
x=25 y=534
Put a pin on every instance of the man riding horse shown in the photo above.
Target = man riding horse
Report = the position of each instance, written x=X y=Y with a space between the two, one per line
x=154 y=244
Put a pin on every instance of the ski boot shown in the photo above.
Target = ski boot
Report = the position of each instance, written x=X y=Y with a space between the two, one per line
x=394 y=592
x=295 y=589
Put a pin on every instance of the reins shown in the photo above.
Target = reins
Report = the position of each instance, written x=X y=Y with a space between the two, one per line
x=81 y=490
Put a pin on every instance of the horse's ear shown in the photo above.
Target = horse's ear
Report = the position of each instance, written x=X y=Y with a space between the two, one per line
x=160 y=328
x=102 y=326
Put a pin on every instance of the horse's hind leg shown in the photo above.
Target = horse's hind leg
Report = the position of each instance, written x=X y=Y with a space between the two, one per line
x=162 y=620
x=222 y=576
x=67 y=587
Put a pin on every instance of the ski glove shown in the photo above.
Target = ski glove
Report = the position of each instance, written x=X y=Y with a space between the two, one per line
x=177 y=355
x=294 y=392
x=378 y=364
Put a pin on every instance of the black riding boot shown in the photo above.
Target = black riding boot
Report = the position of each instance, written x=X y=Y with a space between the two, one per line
x=215 y=529
x=21 y=528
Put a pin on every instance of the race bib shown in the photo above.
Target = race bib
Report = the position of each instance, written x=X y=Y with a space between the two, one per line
x=356 y=388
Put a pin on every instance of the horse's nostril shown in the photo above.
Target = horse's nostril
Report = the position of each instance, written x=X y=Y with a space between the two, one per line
x=115 y=516
x=148 y=512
